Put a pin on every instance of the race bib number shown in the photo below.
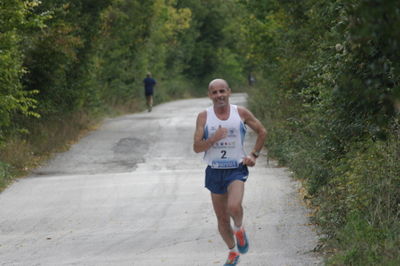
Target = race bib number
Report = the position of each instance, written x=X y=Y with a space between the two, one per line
x=224 y=164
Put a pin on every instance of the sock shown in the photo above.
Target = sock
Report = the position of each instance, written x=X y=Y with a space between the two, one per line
x=236 y=228
x=234 y=249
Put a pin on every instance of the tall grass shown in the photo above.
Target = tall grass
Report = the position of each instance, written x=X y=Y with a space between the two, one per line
x=5 y=176
x=361 y=206
x=20 y=153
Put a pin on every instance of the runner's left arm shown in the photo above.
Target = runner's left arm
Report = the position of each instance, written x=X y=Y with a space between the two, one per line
x=259 y=129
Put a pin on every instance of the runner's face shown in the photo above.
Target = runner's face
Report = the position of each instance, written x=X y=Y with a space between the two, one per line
x=219 y=94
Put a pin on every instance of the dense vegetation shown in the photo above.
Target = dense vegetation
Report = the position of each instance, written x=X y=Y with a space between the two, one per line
x=330 y=98
x=327 y=89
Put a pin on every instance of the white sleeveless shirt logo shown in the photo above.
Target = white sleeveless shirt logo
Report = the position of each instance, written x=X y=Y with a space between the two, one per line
x=228 y=152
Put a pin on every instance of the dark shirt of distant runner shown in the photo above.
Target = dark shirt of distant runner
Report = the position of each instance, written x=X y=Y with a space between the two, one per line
x=149 y=86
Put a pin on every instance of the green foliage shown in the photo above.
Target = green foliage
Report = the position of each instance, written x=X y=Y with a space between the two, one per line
x=90 y=56
x=328 y=92
x=16 y=21
x=214 y=45
x=366 y=181
x=5 y=175
x=60 y=60
x=366 y=244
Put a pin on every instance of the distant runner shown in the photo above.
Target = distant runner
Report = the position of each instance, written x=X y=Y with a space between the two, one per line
x=220 y=132
x=149 y=84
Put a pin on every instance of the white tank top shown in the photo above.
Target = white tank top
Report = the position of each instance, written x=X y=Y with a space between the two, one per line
x=228 y=152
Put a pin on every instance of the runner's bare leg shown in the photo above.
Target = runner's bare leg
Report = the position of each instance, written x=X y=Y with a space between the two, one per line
x=220 y=204
x=235 y=198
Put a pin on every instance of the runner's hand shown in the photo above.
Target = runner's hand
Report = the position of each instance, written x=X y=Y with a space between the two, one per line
x=249 y=160
x=221 y=133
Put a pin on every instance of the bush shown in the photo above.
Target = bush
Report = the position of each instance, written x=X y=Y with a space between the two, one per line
x=361 y=205
x=5 y=176
x=330 y=100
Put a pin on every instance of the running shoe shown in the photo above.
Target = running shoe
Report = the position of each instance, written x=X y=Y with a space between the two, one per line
x=233 y=259
x=242 y=242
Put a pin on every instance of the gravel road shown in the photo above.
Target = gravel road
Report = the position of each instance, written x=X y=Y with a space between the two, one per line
x=132 y=193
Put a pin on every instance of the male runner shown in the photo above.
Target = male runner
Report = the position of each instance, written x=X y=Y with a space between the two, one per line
x=220 y=132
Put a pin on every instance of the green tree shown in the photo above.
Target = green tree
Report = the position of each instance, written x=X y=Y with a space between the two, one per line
x=329 y=95
x=60 y=56
x=213 y=44
x=17 y=21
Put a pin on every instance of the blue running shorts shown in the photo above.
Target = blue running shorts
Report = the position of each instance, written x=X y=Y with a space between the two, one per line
x=218 y=180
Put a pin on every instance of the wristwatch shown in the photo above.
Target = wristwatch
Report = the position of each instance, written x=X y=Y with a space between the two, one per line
x=255 y=154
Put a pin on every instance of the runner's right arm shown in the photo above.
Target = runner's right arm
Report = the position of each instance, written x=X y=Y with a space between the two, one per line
x=200 y=144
